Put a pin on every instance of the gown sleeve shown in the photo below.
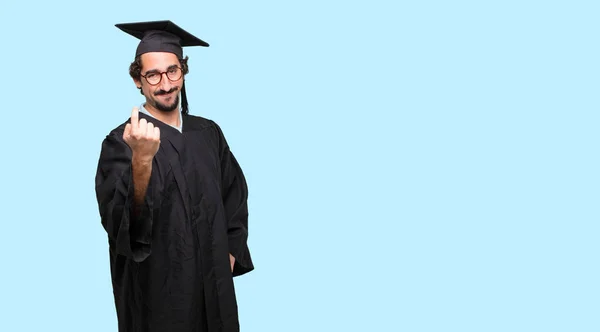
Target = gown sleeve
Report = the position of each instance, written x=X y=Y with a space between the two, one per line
x=129 y=235
x=235 y=199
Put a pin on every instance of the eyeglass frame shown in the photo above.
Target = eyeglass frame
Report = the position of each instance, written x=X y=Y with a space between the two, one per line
x=161 y=75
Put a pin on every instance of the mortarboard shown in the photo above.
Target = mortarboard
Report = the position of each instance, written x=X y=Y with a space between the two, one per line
x=162 y=36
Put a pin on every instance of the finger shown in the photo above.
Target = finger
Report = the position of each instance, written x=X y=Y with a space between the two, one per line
x=149 y=130
x=134 y=118
x=127 y=131
x=157 y=133
x=143 y=124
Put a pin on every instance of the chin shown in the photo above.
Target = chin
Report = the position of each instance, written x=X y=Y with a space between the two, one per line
x=167 y=108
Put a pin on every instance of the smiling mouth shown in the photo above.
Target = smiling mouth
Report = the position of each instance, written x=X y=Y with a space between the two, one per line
x=167 y=95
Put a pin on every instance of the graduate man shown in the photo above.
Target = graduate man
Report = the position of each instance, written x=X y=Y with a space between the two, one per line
x=172 y=199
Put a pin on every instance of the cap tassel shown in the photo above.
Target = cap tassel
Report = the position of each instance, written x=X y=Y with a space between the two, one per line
x=184 y=103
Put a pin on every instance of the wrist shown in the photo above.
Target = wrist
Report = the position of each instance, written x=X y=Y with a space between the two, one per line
x=141 y=160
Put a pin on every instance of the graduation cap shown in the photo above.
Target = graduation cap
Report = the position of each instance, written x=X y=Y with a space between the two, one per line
x=162 y=36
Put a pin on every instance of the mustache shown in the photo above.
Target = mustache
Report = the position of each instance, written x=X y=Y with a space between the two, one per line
x=163 y=92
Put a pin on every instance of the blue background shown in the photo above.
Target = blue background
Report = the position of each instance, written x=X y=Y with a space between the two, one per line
x=413 y=166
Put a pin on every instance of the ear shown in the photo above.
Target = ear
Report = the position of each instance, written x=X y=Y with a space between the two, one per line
x=138 y=83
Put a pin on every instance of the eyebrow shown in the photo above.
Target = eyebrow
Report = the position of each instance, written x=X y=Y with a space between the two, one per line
x=156 y=71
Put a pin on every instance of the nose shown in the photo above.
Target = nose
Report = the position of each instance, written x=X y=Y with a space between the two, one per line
x=165 y=83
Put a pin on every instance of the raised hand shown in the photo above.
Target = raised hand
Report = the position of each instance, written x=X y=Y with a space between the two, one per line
x=142 y=137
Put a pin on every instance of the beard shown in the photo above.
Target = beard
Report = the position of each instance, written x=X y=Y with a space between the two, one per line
x=167 y=108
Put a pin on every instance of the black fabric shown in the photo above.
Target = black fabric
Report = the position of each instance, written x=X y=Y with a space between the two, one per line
x=184 y=102
x=160 y=36
x=170 y=266
x=159 y=41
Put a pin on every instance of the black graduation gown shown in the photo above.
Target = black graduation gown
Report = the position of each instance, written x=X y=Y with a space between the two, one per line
x=170 y=265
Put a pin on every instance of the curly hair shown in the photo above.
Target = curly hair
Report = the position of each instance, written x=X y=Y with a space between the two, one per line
x=135 y=69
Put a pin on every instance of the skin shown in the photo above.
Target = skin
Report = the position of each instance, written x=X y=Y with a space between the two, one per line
x=141 y=136
x=156 y=99
x=143 y=139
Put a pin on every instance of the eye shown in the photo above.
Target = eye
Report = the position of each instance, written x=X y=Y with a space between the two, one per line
x=151 y=76
x=173 y=70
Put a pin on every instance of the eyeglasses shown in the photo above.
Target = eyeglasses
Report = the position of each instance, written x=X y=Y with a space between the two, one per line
x=173 y=74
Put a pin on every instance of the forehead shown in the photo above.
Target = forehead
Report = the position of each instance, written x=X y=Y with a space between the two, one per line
x=158 y=60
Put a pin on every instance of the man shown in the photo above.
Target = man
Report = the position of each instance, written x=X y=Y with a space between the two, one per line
x=172 y=199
